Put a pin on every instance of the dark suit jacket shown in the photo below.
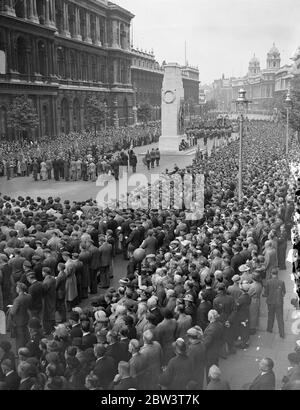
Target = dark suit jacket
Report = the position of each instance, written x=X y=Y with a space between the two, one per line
x=275 y=291
x=105 y=371
x=202 y=313
x=49 y=292
x=264 y=382
x=213 y=340
x=19 y=310
x=124 y=353
x=88 y=340
x=236 y=261
x=106 y=254
x=12 y=381
x=95 y=257
x=36 y=292
x=76 y=332
x=134 y=239
x=177 y=374
x=115 y=352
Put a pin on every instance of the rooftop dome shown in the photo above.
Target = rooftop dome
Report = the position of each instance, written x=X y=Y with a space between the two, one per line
x=254 y=60
x=296 y=54
x=274 y=50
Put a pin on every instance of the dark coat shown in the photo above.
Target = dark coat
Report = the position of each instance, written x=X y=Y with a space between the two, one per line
x=177 y=374
x=213 y=340
x=49 y=287
x=88 y=340
x=275 y=291
x=115 y=352
x=165 y=334
x=202 y=314
x=197 y=356
x=106 y=254
x=125 y=384
x=105 y=371
x=19 y=310
x=264 y=382
x=36 y=292
x=224 y=305
x=12 y=381
x=236 y=261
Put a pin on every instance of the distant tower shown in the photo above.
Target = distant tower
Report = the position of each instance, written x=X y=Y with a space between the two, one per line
x=254 y=66
x=273 y=59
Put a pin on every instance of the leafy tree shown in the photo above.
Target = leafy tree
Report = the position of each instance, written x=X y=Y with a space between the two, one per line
x=144 y=112
x=95 y=113
x=22 y=115
x=294 y=112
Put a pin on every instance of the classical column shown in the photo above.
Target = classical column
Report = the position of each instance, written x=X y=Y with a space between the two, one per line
x=66 y=30
x=115 y=39
x=71 y=114
x=33 y=12
x=47 y=13
x=52 y=12
x=77 y=34
x=116 y=68
x=97 y=28
x=88 y=28
x=81 y=117
x=105 y=34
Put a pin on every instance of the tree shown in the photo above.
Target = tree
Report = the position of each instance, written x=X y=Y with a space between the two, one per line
x=144 y=112
x=95 y=113
x=294 y=112
x=22 y=115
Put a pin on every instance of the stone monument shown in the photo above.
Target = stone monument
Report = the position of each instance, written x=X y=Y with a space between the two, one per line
x=172 y=109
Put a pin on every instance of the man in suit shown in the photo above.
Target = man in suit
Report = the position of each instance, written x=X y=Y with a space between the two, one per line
x=123 y=380
x=49 y=294
x=124 y=344
x=266 y=378
x=152 y=354
x=213 y=339
x=240 y=319
x=178 y=372
x=136 y=363
x=94 y=267
x=106 y=255
x=275 y=292
x=114 y=349
x=76 y=330
x=88 y=339
x=150 y=243
x=134 y=239
x=165 y=335
x=104 y=367
x=19 y=313
x=36 y=291
x=196 y=353
x=237 y=260
x=16 y=264
x=11 y=378
x=202 y=311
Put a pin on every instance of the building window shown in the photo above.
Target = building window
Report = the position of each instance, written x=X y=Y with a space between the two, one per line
x=21 y=55
x=61 y=62
x=64 y=118
x=3 y=122
x=45 y=120
x=76 y=115
x=42 y=57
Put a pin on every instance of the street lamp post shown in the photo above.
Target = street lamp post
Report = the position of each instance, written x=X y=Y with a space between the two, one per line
x=288 y=102
x=241 y=107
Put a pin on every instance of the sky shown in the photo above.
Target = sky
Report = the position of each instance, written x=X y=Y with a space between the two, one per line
x=221 y=35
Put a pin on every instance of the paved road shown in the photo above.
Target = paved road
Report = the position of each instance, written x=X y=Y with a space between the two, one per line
x=82 y=190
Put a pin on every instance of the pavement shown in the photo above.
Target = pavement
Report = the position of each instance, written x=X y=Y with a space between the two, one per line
x=237 y=369
x=83 y=190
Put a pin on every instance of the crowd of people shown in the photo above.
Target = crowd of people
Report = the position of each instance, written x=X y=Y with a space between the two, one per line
x=192 y=293
x=76 y=156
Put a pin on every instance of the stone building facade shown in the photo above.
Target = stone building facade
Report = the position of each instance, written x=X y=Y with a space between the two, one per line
x=147 y=77
x=60 y=52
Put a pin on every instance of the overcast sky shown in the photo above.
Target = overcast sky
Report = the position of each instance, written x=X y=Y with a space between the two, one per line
x=221 y=35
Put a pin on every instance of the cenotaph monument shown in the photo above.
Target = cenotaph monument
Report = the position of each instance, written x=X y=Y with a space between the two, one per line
x=172 y=109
